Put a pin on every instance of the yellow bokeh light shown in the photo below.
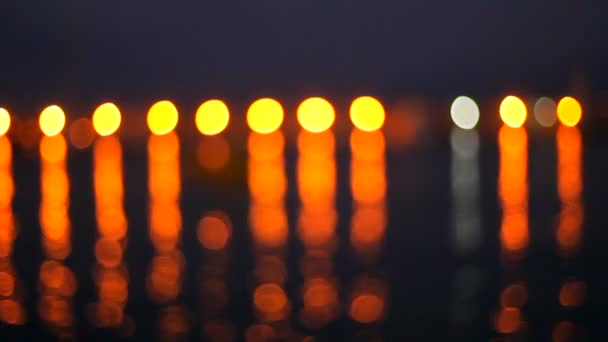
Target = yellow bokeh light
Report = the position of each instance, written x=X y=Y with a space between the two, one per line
x=106 y=119
x=162 y=117
x=52 y=120
x=513 y=111
x=212 y=117
x=316 y=114
x=367 y=113
x=569 y=111
x=265 y=116
x=5 y=121
x=465 y=112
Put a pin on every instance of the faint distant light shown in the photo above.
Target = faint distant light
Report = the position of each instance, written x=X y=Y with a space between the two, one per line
x=573 y=293
x=81 y=133
x=508 y=320
x=265 y=116
x=367 y=113
x=162 y=117
x=545 y=112
x=270 y=299
x=52 y=120
x=464 y=143
x=5 y=121
x=213 y=153
x=465 y=112
x=513 y=111
x=316 y=114
x=106 y=119
x=569 y=111
x=212 y=117
x=514 y=295
x=214 y=231
x=366 y=308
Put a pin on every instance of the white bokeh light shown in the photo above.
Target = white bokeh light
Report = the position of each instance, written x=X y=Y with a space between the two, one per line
x=465 y=112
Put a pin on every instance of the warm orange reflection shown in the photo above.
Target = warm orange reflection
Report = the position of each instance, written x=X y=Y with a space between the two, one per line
x=569 y=188
x=320 y=302
x=110 y=275
x=213 y=153
x=214 y=230
x=573 y=293
x=165 y=273
x=508 y=320
x=368 y=188
x=368 y=300
x=271 y=302
x=81 y=133
x=514 y=295
x=513 y=190
x=569 y=111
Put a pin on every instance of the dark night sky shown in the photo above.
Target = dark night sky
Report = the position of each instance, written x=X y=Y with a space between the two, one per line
x=142 y=49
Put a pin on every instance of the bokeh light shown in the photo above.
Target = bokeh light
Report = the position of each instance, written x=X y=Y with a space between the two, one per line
x=465 y=112
x=545 y=111
x=367 y=113
x=81 y=133
x=5 y=121
x=106 y=119
x=316 y=114
x=212 y=117
x=265 y=116
x=213 y=153
x=162 y=117
x=214 y=231
x=52 y=120
x=569 y=111
x=513 y=111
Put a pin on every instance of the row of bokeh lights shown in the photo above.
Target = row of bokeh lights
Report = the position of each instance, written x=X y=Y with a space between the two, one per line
x=314 y=114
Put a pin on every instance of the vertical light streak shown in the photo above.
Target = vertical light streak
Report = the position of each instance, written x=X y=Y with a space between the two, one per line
x=11 y=308
x=110 y=270
x=316 y=179
x=57 y=282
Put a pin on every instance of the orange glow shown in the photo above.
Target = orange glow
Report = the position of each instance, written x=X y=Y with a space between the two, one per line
x=265 y=116
x=569 y=187
x=81 y=133
x=316 y=115
x=5 y=121
x=270 y=300
x=108 y=252
x=52 y=120
x=106 y=119
x=212 y=117
x=213 y=153
x=162 y=117
x=11 y=312
x=57 y=287
x=7 y=284
x=165 y=277
x=366 y=308
x=513 y=111
x=266 y=147
x=569 y=111
x=260 y=333
x=573 y=293
x=367 y=113
x=565 y=331
x=508 y=320
x=214 y=230
x=108 y=182
x=320 y=300
x=513 y=189
x=367 y=145
x=55 y=190
x=7 y=223
x=514 y=295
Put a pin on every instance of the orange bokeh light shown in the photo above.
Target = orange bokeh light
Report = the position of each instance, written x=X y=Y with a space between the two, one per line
x=265 y=116
x=5 y=121
x=214 y=231
x=569 y=111
x=162 y=117
x=367 y=113
x=106 y=119
x=212 y=117
x=213 y=153
x=316 y=114
x=513 y=111
x=81 y=133
x=52 y=120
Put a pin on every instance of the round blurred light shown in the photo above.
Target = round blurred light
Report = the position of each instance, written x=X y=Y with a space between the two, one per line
x=513 y=111
x=316 y=114
x=465 y=112
x=81 y=133
x=569 y=111
x=52 y=120
x=106 y=119
x=5 y=121
x=265 y=116
x=545 y=111
x=212 y=117
x=162 y=117
x=367 y=113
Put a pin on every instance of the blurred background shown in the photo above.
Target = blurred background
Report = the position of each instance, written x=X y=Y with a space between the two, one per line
x=415 y=214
